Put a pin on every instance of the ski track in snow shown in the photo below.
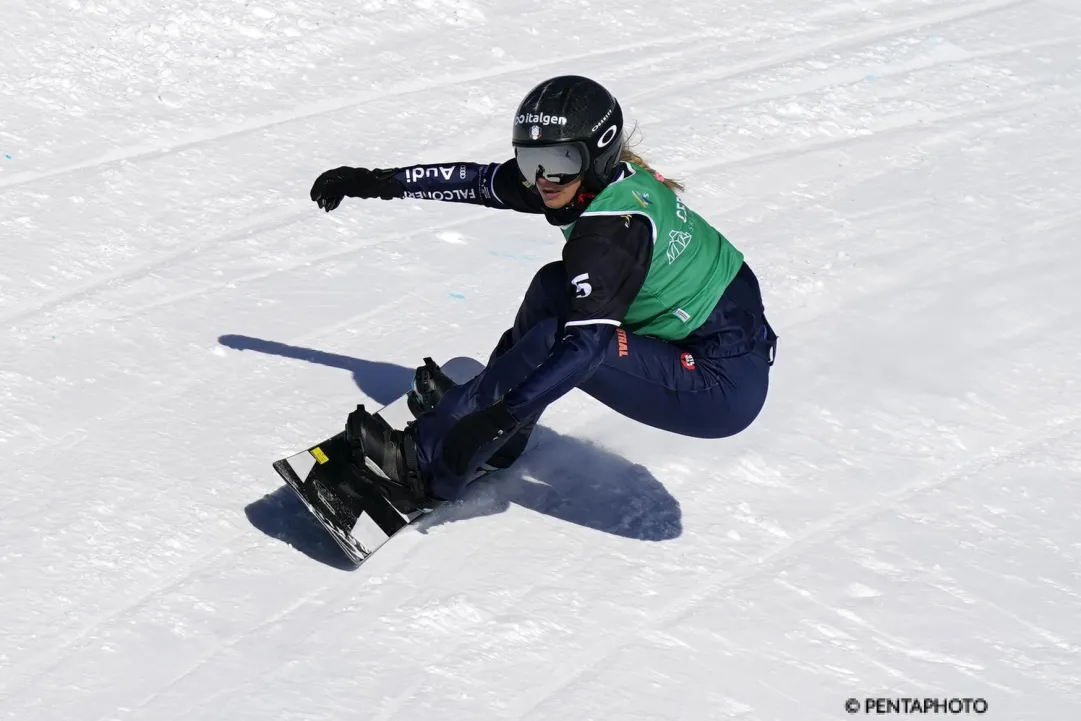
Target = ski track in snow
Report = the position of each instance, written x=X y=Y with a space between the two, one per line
x=900 y=521
x=140 y=270
x=304 y=113
x=876 y=34
x=887 y=30
x=803 y=543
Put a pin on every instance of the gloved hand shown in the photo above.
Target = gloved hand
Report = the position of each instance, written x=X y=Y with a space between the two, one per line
x=467 y=436
x=330 y=187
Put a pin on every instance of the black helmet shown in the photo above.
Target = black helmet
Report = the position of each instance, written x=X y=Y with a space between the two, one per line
x=568 y=126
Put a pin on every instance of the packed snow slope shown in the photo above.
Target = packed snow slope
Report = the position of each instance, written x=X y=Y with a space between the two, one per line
x=903 y=519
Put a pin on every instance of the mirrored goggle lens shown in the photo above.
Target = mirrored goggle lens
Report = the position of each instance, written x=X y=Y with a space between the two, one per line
x=557 y=163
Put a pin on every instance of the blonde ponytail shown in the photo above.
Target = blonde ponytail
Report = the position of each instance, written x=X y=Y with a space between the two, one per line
x=627 y=155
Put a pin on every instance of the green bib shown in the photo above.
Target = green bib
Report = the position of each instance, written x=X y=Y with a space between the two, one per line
x=692 y=262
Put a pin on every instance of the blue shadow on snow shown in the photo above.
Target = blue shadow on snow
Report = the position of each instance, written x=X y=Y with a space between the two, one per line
x=561 y=476
x=281 y=515
x=382 y=382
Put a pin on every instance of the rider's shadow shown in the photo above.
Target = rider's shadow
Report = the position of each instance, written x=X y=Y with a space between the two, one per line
x=382 y=382
x=577 y=482
x=564 y=477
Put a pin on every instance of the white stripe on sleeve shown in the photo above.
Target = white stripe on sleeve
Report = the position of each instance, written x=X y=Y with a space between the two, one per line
x=594 y=321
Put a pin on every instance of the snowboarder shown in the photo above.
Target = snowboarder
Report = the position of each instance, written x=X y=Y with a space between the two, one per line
x=651 y=310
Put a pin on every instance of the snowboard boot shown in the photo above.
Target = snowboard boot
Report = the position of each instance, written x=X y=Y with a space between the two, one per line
x=429 y=386
x=387 y=458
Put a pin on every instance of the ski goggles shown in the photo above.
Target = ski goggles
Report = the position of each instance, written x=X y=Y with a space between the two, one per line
x=559 y=164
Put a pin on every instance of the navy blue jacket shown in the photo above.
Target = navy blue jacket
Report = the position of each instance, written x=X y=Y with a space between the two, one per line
x=613 y=251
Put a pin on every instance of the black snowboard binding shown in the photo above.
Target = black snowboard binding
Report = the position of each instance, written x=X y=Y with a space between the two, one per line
x=387 y=458
x=429 y=386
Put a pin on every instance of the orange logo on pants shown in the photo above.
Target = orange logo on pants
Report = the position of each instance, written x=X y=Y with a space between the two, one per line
x=621 y=338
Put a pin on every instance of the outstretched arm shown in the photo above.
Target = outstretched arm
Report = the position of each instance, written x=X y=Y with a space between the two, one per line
x=495 y=185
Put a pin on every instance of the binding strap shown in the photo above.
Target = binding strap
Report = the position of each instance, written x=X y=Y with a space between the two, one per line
x=411 y=473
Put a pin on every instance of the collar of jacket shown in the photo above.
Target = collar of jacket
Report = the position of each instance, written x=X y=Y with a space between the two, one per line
x=570 y=212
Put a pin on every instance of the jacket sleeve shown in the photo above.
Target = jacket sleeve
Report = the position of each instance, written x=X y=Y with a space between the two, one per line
x=494 y=185
x=607 y=259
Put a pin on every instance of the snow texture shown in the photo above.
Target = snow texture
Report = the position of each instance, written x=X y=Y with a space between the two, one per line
x=903 y=519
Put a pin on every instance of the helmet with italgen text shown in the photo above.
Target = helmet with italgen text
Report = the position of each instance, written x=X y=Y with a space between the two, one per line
x=566 y=127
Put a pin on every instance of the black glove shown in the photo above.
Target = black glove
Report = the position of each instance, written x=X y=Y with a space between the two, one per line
x=467 y=436
x=330 y=187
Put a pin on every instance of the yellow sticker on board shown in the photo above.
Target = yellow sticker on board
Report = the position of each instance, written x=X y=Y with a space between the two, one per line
x=319 y=455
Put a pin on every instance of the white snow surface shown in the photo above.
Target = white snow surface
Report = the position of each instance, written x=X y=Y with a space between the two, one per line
x=902 y=520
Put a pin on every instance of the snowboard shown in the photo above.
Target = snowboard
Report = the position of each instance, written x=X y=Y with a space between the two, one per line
x=355 y=514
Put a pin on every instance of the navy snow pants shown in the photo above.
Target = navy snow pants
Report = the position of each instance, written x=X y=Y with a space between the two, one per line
x=711 y=384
